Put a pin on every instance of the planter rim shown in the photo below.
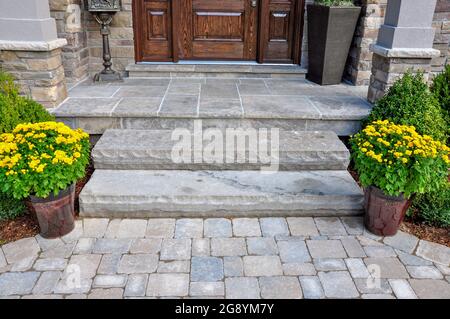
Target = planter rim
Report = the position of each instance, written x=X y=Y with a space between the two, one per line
x=52 y=196
x=381 y=194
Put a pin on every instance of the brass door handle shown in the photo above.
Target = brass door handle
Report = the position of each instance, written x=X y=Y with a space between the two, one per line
x=254 y=3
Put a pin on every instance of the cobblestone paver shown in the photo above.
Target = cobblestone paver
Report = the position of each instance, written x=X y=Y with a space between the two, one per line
x=309 y=258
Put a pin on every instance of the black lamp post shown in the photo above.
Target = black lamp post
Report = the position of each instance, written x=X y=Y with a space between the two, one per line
x=103 y=11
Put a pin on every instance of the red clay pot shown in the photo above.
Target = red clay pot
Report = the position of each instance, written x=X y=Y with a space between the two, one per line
x=55 y=214
x=384 y=213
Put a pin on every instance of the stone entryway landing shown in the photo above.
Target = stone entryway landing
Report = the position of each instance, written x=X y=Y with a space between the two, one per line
x=166 y=103
x=307 y=258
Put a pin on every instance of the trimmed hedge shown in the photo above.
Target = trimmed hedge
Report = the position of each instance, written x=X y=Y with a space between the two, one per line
x=410 y=102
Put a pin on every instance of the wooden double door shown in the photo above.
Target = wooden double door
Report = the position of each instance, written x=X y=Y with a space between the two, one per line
x=267 y=31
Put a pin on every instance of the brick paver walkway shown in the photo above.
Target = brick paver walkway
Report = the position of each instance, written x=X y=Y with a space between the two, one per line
x=239 y=258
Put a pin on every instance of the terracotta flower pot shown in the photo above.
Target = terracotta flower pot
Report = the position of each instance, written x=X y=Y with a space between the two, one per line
x=384 y=213
x=55 y=214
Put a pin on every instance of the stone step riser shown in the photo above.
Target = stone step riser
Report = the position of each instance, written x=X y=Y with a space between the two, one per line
x=153 y=150
x=98 y=125
x=116 y=194
x=152 y=74
x=215 y=71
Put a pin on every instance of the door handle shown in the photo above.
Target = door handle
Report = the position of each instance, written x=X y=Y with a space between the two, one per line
x=254 y=3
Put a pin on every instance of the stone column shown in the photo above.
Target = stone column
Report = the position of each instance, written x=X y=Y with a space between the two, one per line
x=69 y=25
x=31 y=51
x=405 y=42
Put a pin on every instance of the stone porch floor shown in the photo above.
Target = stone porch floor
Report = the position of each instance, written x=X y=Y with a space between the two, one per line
x=222 y=258
x=136 y=102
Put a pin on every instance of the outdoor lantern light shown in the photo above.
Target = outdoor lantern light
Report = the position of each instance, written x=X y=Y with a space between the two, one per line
x=103 y=11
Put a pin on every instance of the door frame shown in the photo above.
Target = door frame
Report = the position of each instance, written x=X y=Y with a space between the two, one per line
x=262 y=7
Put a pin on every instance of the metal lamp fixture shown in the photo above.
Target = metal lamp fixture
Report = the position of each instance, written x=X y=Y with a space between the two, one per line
x=103 y=11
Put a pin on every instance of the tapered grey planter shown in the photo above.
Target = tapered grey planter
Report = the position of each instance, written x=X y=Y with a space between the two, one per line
x=330 y=34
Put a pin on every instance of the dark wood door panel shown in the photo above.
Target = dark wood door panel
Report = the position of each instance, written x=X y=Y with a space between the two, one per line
x=154 y=30
x=263 y=30
x=280 y=26
x=221 y=30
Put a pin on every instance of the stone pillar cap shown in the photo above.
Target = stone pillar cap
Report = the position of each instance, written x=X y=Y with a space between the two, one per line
x=32 y=45
x=425 y=53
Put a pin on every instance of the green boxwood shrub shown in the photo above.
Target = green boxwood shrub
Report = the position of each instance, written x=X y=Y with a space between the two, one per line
x=434 y=208
x=16 y=109
x=441 y=90
x=410 y=102
x=10 y=207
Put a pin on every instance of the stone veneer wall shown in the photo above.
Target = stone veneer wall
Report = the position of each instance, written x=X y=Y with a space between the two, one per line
x=40 y=74
x=121 y=40
x=69 y=16
x=441 y=24
x=359 y=63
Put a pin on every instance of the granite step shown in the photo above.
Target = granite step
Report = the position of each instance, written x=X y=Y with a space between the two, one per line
x=152 y=150
x=236 y=70
x=164 y=193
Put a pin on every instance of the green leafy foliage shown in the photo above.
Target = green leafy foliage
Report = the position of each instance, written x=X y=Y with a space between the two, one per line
x=441 y=90
x=15 y=109
x=434 y=208
x=398 y=160
x=10 y=207
x=336 y=3
x=42 y=158
x=410 y=102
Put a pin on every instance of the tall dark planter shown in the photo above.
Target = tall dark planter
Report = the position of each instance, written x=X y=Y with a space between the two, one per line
x=55 y=214
x=384 y=213
x=330 y=34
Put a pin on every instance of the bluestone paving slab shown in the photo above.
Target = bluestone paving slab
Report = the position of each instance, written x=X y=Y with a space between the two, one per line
x=207 y=289
x=390 y=268
x=17 y=283
x=402 y=241
x=242 y=288
x=424 y=272
x=201 y=247
x=20 y=250
x=175 y=266
x=280 y=288
x=207 y=269
x=246 y=227
x=262 y=246
x=86 y=107
x=302 y=226
x=136 y=285
x=138 y=264
x=434 y=252
x=294 y=251
x=257 y=266
x=402 y=289
x=47 y=282
x=168 y=285
x=138 y=107
x=312 y=288
x=338 y=284
x=326 y=249
x=431 y=289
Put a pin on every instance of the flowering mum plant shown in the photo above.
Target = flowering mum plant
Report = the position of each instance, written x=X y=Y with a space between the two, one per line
x=398 y=160
x=42 y=158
